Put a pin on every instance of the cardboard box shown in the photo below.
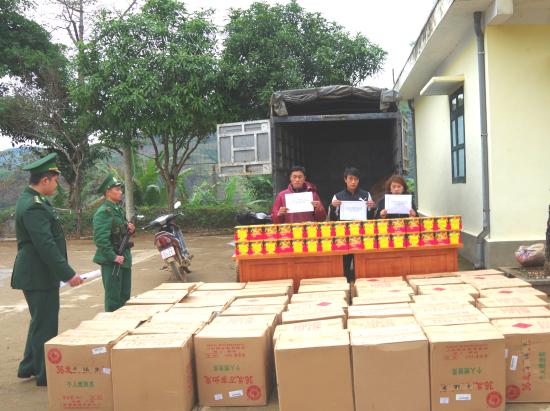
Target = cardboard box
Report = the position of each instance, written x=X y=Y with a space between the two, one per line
x=427 y=224
x=271 y=247
x=515 y=312
x=323 y=326
x=324 y=281
x=121 y=316
x=383 y=227
x=506 y=301
x=477 y=273
x=198 y=302
x=444 y=299
x=398 y=279
x=426 y=239
x=513 y=292
x=78 y=367
x=415 y=283
x=282 y=300
x=324 y=295
x=234 y=367
x=270 y=232
x=440 y=289
x=173 y=316
x=393 y=356
x=285 y=246
x=256 y=232
x=355 y=228
x=469 y=279
x=370 y=242
x=314 y=372
x=221 y=286
x=384 y=298
x=198 y=310
x=340 y=244
x=398 y=240
x=163 y=294
x=150 y=301
x=292 y=317
x=314 y=305
x=255 y=310
x=178 y=286
x=144 y=309
x=160 y=327
x=272 y=283
x=355 y=243
x=312 y=230
x=325 y=229
x=154 y=372
x=380 y=311
x=316 y=288
x=527 y=348
x=298 y=231
x=384 y=241
x=263 y=292
x=242 y=247
x=109 y=325
x=412 y=240
x=368 y=323
x=436 y=315
x=433 y=275
x=467 y=367
x=369 y=228
x=412 y=225
x=376 y=293
x=216 y=294
x=382 y=285
x=241 y=233
x=251 y=322
x=487 y=284
x=455 y=237
x=340 y=229
x=284 y=231
x=455 y=223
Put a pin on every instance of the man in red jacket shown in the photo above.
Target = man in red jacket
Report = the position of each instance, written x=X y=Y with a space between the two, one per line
x=298 y=184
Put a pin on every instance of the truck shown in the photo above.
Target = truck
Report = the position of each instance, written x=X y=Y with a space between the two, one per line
x=325 y=130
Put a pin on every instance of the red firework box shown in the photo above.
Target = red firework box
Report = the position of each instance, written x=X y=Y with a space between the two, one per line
x=397 y=226
x=370 y=242
x=340 y=229
x=398 y=240
x=355 y=243
x=355 y=228
x=312 y=230
x=383 y=226
x=271 y=247
x=369 y=227
x=298 y=231
x=284 y=246
x=256 y=232
x=441 y=238
x=412 y=239
x=312 y=245
x=270 y=232
x=340 y=244
x=284 y=231
x=256 y=247
x=384 y=241
x=427 y=224
x=298 y=245
x=242 y=248
x=441 y=223
x=455 y=223
x=412 y=225
x=241 y=233
x=426 y=239
x=325 y=230
x=455 y=237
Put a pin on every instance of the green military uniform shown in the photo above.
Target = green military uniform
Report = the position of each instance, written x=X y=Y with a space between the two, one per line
x=109 y=227
x=40 y=265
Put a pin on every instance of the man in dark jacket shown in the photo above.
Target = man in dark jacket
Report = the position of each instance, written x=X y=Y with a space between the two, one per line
x=41 y=263
x=352 y=192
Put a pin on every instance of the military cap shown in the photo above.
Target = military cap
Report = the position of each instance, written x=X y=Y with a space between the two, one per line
x=44 y=164
x=110 y=181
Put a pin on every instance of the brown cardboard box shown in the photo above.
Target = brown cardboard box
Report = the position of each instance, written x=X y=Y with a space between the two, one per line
x=368 y=323
x=198 y=302
x=381 y=284
x=220 y=286
x=380 y=311
x=382 y=298
x=154 y=372
x=378 y=279
x=313 y=305
x=108 y=325
x=255 y=292
x=178 y=286
x=175 y=317
x=444 y=299
x=292 y=317
x=282 y=300
x=272 y=283
x=515 y=312
x=150 y=301
x=197 y=310
x=326 y=288
x=477 y=273
x=512 y=292
x=329 y=295
x=466 y=367
x=392 y=357
x=159 y=327
x=314 y=372
x=144 y=309
x=248 y=310
x=373 y=293
x=436 y=315
x=453 y=288
x=163 y=294
x=234 y=367
x=486 y=283
x=121 y=316
x=506 y=301
x=215 y=294
x=527 y=347
x=308 y=327
x=323 y=280
x=251 y=322
x=78 y=366
x=433 y=275
x=414 y=283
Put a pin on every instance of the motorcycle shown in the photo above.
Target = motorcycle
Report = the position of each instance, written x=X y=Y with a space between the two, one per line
x=171 y=244
x=253 y=217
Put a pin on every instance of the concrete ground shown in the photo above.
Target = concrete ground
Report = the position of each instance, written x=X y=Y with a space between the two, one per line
x=212 y=263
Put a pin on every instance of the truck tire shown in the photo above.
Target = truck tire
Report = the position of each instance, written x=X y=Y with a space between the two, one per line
x=176 y=272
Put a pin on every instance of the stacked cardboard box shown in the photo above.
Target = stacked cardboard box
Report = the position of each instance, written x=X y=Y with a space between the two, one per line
x=512 y=292
x=506 y=301
x=380 y=311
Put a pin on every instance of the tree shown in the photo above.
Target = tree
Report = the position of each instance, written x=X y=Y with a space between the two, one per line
x=155 y=73
x=282 y=47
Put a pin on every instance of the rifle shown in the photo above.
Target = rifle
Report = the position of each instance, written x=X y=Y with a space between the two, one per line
x=125 y=244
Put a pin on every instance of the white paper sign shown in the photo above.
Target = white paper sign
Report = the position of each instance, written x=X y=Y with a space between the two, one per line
x=398 y=204
x=101 y=350
x=233 y=394
x=218 y=397
x=444 y=400
x=299 y=202
x=106 y=371
x=463 y=397
x=514 y=362
x=353 y=211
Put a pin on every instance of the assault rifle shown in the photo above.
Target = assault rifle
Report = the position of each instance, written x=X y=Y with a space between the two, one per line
x=124 y=245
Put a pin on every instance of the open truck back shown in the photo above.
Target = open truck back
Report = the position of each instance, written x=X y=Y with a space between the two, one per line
x=325 y=130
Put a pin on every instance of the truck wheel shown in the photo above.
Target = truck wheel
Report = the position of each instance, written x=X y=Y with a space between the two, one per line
x=176 y=272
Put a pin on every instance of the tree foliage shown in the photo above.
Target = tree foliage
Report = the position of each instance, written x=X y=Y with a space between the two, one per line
x=283 y=47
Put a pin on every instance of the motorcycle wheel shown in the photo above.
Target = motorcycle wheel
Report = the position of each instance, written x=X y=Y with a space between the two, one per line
x=176 y=272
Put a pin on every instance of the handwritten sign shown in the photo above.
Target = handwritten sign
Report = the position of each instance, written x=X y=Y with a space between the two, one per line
x=299 y=202
x=353 y=211
x=398 y=204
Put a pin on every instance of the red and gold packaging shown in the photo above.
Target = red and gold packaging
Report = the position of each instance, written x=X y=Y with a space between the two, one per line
x=397 y=226
x=284 y=246
x=355 y=228
x=340 y=229
x=355 y=243
x=370 y=242
x=256 y=247
x=384 y=241
x=284 y=231
x=241 y=233
x=312 y=230
x=398 y=240
x=441 y=223
x=271 y=247
x=383 y=227
x=242 y=248
x=326 y=244
x=270 y=232
x=298 y=231
x=426 y=239
x=455 y=237
x=298 y=245
x=340 y=244
x=369 y=227
x=256 y=232
x=312 y=245
x=455 y=223
x=427 y=224
x=412 y=240
x=412 y=225
x=325 y=230
x=441 y=238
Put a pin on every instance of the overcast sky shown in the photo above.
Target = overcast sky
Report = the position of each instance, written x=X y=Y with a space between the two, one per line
x=391 y=24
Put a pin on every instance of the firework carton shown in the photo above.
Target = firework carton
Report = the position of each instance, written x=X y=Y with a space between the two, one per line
x=256 y=247
x=340 y=244
x=284 y=246
x=284 y=231
x=370 y=242
x=369 y=227
x=455 y=223
x=270 y=247
x=384 y=241
x=412 y=239
x=298 y=231
x=311 y=230
x=355 y=243
x=412 y=225
x=270 y=232
x=340 y=229
x=441 y=238
x=312 y=245
x=398 y=240
x=256 y=232
x=383 y=226
x=427 y=239
x=241 y=233
x=325 y=230
x=298 y=245
x=455 y=237
x=325 y=244
x=242 y=248
x=398 y=226
x=427 y=224
x=355 y=228
x=441 y=223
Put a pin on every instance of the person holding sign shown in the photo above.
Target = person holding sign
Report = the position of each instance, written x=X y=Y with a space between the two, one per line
x=299 y=203
x=396 y=185
x=351 y=204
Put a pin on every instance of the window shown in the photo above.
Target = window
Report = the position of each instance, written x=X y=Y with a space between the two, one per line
x=458 y=147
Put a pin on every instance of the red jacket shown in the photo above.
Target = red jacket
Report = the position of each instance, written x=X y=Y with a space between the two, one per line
x=290 y=218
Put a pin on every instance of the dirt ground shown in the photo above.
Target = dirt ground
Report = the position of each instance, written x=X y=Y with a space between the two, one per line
x=212 y=263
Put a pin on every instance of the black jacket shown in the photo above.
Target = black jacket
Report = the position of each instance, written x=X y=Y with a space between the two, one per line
x=382 y=206
x=345 y=195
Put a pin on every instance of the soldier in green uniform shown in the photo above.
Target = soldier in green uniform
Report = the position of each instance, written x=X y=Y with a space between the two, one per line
x=41 y=263
x=109 y=229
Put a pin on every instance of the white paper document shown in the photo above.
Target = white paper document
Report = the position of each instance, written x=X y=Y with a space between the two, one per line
x=353 y=211
x=299 y=202
x=399 y=204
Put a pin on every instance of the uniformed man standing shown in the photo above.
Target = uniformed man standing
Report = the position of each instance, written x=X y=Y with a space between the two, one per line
x=109 y=229
x=41 y=263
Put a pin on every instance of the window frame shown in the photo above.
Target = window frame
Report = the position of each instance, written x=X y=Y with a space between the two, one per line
x=454 y=116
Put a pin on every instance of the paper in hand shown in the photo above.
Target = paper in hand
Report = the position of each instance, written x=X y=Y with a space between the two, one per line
x=353 y=211
x=299 y=202
x=398 y=204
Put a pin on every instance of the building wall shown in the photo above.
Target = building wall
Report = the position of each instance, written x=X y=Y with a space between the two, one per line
x=518 y=66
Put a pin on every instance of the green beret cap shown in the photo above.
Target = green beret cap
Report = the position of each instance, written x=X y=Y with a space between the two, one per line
x=110 y=181
x=44 y=164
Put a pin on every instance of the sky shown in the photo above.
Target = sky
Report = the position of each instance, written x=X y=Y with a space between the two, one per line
x=391 y=24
